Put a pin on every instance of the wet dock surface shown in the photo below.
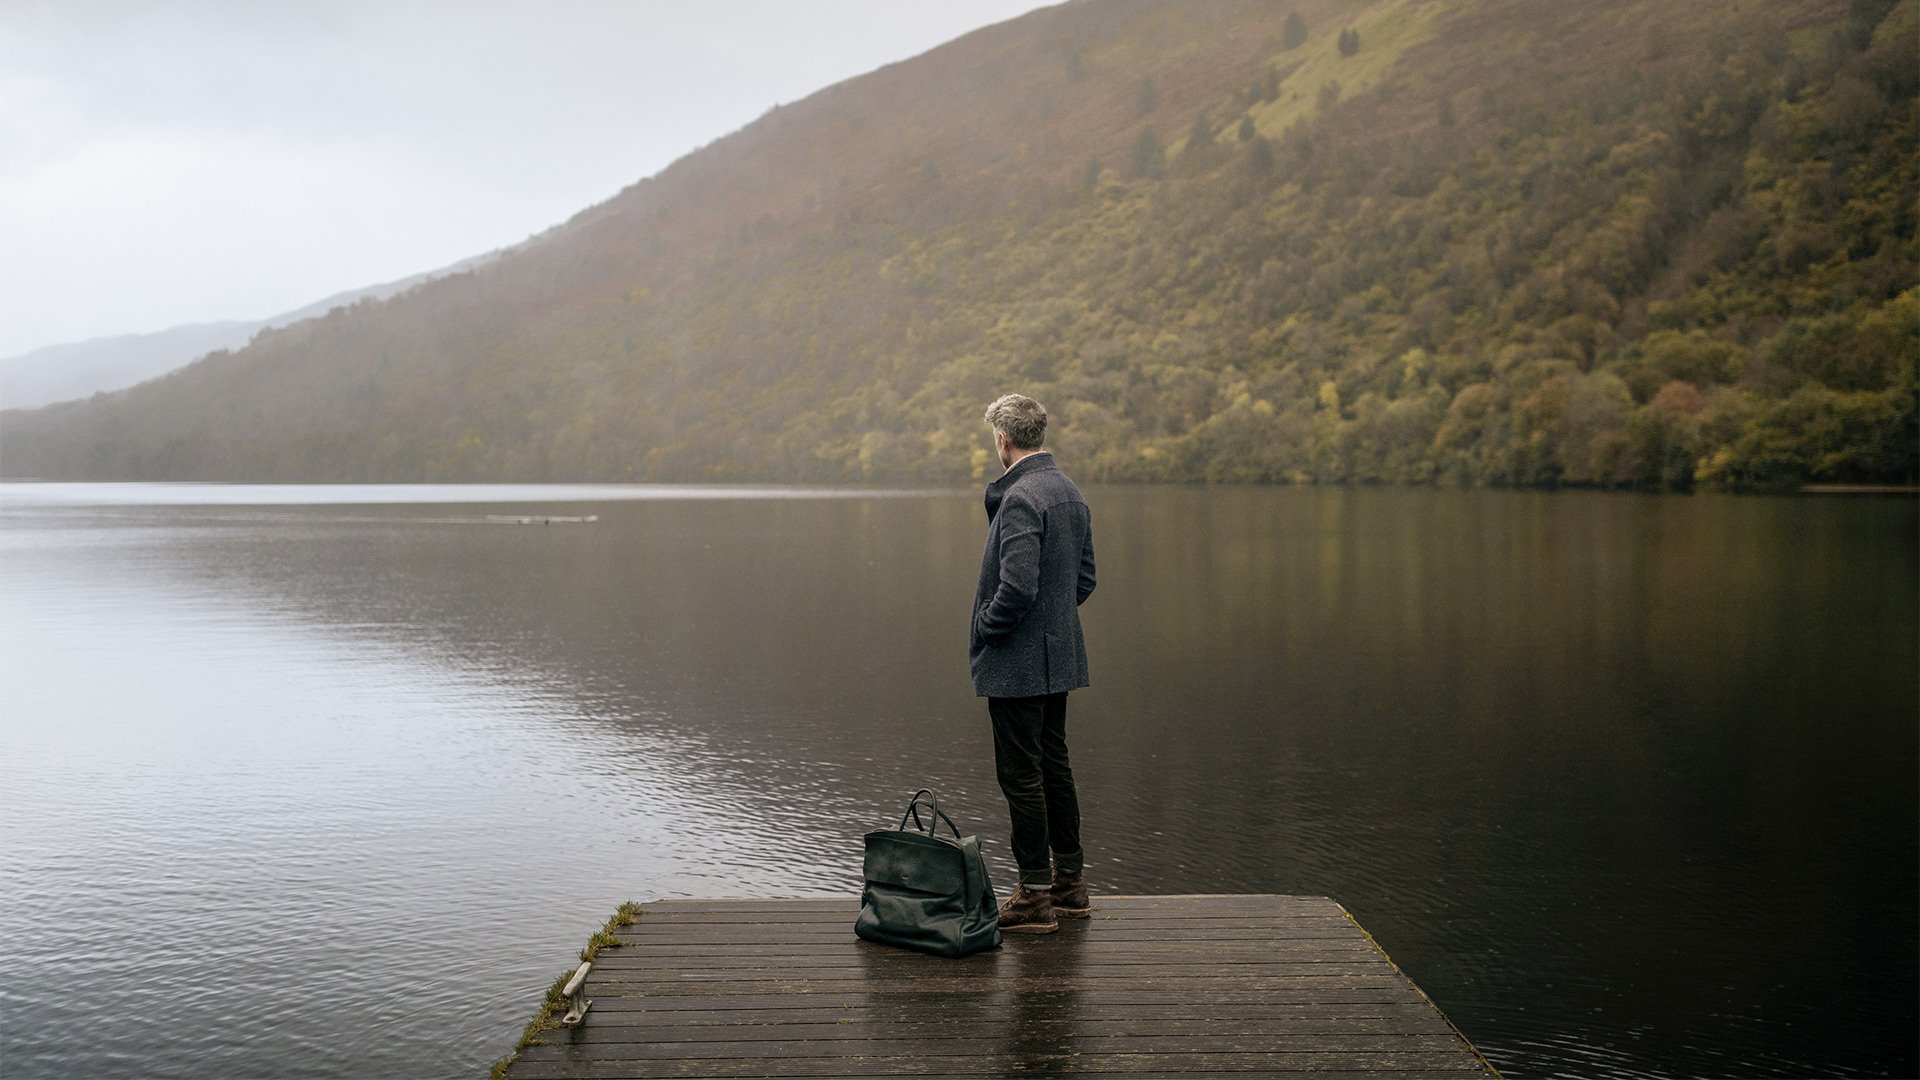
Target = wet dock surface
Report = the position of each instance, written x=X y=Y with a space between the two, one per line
x=1158 y=985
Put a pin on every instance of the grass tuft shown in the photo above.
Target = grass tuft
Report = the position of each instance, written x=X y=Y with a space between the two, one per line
x=554 y=1005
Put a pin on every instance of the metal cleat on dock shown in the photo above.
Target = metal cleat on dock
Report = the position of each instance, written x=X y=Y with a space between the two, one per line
x=576 y=993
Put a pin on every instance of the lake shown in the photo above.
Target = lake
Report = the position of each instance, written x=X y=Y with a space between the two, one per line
x=334 y=780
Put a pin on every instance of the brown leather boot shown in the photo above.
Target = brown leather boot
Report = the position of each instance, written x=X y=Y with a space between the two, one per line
x=1027 y=911
x=1069 y=896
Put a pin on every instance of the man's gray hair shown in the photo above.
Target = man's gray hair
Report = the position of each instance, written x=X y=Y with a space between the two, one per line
x=1021 y=419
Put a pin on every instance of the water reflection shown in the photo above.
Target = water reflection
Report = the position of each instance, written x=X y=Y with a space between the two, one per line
x=1627 y=784
x=1030 y=1043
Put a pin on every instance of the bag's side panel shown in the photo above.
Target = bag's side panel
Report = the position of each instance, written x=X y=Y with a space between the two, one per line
x=982 y=929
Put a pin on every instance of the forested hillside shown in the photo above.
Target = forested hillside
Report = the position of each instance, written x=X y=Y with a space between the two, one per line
x=1617 y=243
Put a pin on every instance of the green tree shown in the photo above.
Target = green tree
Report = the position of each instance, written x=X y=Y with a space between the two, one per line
x=1147 y=98
x=1202 y=133
x=1349 y=41
x=1294 y=34
x=1247 y=130
x=1149 y=156
x=1663 y=439
x=1260 y=154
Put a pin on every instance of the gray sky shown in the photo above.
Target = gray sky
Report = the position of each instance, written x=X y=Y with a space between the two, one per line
x=169 y=161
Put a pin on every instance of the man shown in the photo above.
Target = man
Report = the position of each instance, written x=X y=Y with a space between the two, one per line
x=1027 y=653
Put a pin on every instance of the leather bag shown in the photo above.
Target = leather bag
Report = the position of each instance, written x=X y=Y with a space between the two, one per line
x=926 y=891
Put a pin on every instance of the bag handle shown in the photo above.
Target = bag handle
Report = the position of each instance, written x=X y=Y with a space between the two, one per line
x=934 y=815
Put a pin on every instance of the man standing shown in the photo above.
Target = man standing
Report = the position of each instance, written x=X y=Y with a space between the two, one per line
x=1026 y=653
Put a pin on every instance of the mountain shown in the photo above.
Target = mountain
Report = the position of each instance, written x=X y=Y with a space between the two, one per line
x=79 y=369
x=1620 y=243
x=75 y=370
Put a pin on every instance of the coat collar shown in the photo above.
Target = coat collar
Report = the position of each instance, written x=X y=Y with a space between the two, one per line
x=1037 y=461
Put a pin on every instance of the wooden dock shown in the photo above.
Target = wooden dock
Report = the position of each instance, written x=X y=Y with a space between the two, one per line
x=1160 y=985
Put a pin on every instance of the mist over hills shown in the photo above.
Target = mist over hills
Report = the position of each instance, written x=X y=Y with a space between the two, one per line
x=78 y=369
x=1617 y=243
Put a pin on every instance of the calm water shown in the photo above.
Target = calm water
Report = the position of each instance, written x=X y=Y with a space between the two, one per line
x=332 y=781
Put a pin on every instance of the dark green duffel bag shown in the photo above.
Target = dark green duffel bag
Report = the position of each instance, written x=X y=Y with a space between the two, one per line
x=925 y=891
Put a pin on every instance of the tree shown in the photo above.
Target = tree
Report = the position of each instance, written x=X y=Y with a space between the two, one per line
x=1149 y=157
x=1247 y=130
x=1093 y=173
x=1349 y=41
x=1329 y=95
x=1147 y=98
x=1446 y=112
x=1295 y=33
x=1260 y=154
x=1202 y=133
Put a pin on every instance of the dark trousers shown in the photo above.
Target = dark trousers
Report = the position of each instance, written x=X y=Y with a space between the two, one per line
x=1030 y=756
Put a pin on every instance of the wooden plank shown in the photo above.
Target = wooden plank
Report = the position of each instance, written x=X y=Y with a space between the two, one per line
x=1156 y=901
x=709 y=996
x=1114 y=908
x=1095 y=935
x=1065 y=943
x=1216 y=902
x=988 y=992
x=1013 y=1063
x=658 y=913
x=644 y=1071
x=648 y=1027
x=1110 y=923
x=1200 y=907
x=1070 y=930
x=987 y=1071
x=700 y=997
x=1087 y=981
x=1306 y=1017
x=1118 y=939
x=881 y=978
x=1100 y=951
x=843 y=922
x=830 y=919
x=1098 y=934
x=616 y=960
x=670 y=959
x=1059 y=950
x=987 y=1044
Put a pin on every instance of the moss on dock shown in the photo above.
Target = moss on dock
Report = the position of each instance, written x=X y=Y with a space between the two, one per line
x=554 y=1005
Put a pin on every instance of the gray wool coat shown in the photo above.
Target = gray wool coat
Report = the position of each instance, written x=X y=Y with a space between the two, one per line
x=1036 y=572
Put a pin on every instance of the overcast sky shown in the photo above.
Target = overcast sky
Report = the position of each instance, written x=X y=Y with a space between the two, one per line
x=166 y=162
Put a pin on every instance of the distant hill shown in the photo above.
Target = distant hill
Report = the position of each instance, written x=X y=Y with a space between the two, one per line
x=80 y=369
x=1618 y=243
